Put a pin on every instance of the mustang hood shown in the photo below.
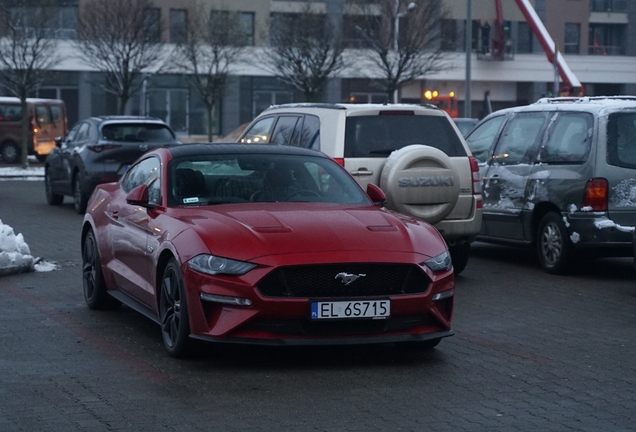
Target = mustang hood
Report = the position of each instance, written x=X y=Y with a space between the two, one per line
x=253 y=231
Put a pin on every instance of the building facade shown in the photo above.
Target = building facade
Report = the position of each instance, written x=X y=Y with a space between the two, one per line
x=597 y=38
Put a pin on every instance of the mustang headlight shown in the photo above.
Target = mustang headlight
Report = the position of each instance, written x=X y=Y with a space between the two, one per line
x=440 y=262
x=213 y=265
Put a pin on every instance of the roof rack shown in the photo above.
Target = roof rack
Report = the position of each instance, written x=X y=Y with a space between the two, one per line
x=583 y=99
x=308 y=105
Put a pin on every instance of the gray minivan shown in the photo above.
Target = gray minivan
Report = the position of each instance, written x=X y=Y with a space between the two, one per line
x=560 y=175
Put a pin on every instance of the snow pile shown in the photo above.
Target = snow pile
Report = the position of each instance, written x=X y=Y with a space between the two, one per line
x=15 y=256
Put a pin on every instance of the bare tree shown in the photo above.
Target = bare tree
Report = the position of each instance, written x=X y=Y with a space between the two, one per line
x=403 y=39
x=215 y=41
x=306 y=50
x=120 y=38
x=26 y=52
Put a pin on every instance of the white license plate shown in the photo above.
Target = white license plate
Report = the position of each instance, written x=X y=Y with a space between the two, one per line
x=351 y=309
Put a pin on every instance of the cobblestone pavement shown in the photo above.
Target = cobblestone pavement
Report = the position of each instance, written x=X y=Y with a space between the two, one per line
x=532 y=352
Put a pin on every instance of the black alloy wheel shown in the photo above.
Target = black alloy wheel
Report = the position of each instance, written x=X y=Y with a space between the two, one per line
x=95 y=292
x=173 y=309
x=51 y=197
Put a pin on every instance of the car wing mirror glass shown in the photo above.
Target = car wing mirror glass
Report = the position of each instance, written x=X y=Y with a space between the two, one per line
x=376 y=194
x=138 y=196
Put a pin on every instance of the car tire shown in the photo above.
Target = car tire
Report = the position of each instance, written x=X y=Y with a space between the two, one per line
x=173 y=312
x=420 y=181
x=459 y=256
x=95 y=292
x=51 y=197
x=554 y=248
x=80 y=200
x=10 y=152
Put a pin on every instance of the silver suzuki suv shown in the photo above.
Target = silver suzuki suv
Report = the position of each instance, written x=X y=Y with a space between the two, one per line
x=560 y=175
x=416 y=154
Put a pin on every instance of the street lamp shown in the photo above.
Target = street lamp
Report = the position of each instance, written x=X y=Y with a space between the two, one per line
x=469 y=52
x=396 y=32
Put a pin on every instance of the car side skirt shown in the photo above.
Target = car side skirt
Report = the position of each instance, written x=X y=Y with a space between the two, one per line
x=135 y=304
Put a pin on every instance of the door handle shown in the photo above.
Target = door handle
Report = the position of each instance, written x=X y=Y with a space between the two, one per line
x=362 y=172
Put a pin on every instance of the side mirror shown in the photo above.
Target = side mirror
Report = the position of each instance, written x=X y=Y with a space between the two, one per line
x=138 y=196
x=375 y=193
x=58 y=141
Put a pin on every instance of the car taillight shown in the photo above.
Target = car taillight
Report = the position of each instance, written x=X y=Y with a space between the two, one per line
x=596 y=194
x=340 y=161
x=474 y=169
x=101 y=147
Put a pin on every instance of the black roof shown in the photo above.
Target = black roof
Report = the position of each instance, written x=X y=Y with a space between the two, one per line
x=185 y=150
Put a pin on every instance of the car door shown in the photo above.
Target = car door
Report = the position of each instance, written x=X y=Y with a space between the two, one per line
x=69 y=149
x=56 y=161
x=507 y=172
x=130 y=229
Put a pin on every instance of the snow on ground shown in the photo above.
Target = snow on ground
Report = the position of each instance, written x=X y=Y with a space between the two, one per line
x=16 y=172
x=15 y=255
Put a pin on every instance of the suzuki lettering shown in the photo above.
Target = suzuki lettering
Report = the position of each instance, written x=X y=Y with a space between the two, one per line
x=426 y=181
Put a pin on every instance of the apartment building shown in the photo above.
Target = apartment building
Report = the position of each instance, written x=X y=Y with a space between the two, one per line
x=597 y=38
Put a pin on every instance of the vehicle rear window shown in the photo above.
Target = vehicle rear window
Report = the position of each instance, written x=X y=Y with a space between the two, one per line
x=43 y=115
x=137 y=132
x=378 y=136
x=56 y=113
x=621 y=140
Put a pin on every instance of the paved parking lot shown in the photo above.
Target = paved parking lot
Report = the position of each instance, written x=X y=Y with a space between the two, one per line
x=531 y=352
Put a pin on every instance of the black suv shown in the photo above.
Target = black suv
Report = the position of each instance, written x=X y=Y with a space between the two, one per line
x=99 y=150
x=560 y=175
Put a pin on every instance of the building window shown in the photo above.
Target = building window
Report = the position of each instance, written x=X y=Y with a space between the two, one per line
x=246 y=21
x=453 y=32
x=607 y=39
x=152 y=24
x=525 y=39
x=609 y=5
x=572 y=36
x=52 y=22
x=178 y=25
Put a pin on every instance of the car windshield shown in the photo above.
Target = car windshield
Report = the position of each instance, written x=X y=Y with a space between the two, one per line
x=243 y=178
x=379 y=135
x=137 y=132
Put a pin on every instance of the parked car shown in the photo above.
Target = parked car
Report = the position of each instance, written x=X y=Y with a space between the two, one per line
x=414 y=153
x=46 y=120
x=465 y=124
x=560 y=175
x=271 y=245
x=99 y=150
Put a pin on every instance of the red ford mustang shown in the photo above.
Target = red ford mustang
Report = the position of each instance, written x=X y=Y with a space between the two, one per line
x=262 y=244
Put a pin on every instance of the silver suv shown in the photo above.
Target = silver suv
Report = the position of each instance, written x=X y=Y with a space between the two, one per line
x=560 y=175
x=414 y=153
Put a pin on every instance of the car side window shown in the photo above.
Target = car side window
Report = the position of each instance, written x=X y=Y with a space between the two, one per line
x=482 y=138
x=70 y=136
x=519 y=139
x=621 y=140
x=310 y=133
x=82 y=133
x=147 y=172
x=259 y=132
x=284 y=131
x=569 y=138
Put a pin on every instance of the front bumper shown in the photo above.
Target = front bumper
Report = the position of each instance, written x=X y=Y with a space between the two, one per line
x=257 y=319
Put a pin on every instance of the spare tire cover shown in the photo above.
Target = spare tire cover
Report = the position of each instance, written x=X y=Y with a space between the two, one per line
x=420 y=181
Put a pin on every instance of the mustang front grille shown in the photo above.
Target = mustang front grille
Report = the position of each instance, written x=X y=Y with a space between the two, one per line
x=344 y=280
